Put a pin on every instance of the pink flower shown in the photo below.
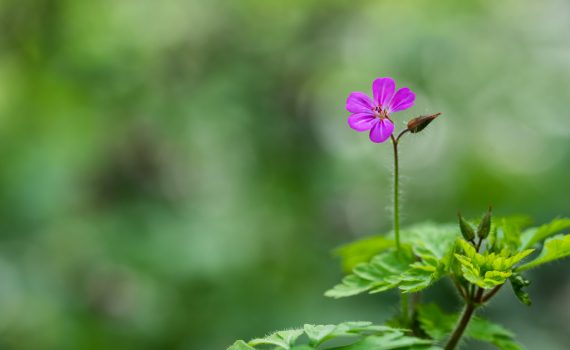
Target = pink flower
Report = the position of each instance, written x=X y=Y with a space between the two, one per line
x=374 y=114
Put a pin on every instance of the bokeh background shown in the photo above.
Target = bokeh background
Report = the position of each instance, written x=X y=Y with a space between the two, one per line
x=174 y=174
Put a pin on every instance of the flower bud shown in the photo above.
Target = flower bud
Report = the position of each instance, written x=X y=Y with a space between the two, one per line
x=419 y=123
x=466 y=229
x=485 y=225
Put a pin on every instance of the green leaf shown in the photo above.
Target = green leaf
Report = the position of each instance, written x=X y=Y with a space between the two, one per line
x=507 y=231
x=282 y=339
x=240 y=345
x=363 y=250
x=489 y=269
x=382 y=273
x=555 y=248
x=439 y=325
x=518 y=282
x=534 y=235
x=409 y=270
x=391 y=341
x=382 y=337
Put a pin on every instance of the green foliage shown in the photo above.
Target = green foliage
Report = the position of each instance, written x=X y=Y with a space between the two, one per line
x=424 y=259
x=489 y=269
x=363 y=250
x=364 y=336
x=383 y=272
x=557 y=247
x=506 y=232
x=534 y=235
x=439 y=325
x=391 y=341
x=283 y=339
x=518 y=282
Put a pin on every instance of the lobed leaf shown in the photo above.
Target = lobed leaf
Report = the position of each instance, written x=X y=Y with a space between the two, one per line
x=395 y=341
x=363 y=250
x=534 y=235
x=368 y=336
x=555 y=248
x=282 y=339
x=489 y=269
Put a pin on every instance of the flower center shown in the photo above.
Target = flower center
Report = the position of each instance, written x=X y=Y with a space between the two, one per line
x=380 y=113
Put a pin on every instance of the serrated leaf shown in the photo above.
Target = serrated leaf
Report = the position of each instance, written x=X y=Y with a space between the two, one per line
x=507 y=231
x=240 y=345
x=363 y=250
x=439 y=325
x=318 y=334
x=381 y=273
x=283 y=339
x=391 y=341
x=555 y=248
x=534 y=235
x=410 y=271
x=489 y=269
x=518 y=282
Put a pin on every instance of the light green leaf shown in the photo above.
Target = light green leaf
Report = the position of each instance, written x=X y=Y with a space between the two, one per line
x=318 y=334
x=391 y=341
x=282 y=339
x=240 y=345
x=555 y=248
x=382 y=273
x=363 y=250
x=506 y=232
x=411 y=271
x=489 y=269
x=439 y=325
x=534 y=235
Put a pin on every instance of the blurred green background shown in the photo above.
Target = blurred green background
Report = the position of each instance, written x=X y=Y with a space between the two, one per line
x=174 y=174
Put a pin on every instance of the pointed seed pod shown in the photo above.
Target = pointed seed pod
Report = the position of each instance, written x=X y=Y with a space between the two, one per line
x=419 y=123
x=485 y=225
x=466 y=229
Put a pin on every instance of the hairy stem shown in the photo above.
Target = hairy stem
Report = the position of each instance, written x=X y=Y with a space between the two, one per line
x=396 y=211
x=404 y=298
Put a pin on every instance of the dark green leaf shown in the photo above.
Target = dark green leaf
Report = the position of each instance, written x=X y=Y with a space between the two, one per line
x=518 y=282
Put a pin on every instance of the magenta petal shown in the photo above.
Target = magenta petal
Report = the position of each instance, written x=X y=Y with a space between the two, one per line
x=359 y=102
x=362 y=121
x=383 y=90
x=403 y=99
x=381 y=131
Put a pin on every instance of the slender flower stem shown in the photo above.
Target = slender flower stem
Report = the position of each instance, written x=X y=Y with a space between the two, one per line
x=396 y=193
x=404 y=298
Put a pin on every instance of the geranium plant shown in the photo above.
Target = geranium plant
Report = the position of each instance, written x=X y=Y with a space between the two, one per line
x=477 y=256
